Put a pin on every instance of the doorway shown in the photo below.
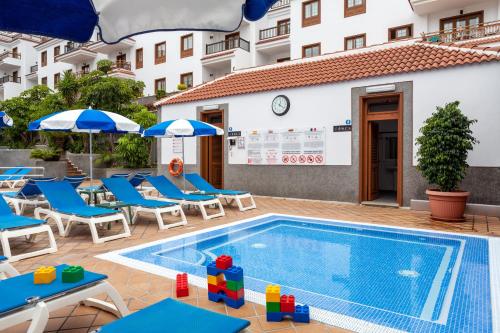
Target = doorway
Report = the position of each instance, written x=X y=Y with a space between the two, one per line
x=381 y=148
x=212 y=151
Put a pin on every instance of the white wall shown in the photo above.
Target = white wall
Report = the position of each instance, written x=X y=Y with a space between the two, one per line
x=476 y=86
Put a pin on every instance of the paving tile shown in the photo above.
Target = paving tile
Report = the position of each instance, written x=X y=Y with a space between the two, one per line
x=78 y=322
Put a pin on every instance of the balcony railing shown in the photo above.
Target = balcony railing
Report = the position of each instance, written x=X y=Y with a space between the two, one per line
x=465 y=33
x=122 y=65
x=10 y=78
x=8 y=54
x=70 y=47
x=281 y=3
x=10 y=37
x=280 y=30
x=82 y=73
x=33 y=69
x=228 y=44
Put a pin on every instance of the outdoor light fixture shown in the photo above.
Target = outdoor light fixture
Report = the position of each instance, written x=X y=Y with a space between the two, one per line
x=381 y=89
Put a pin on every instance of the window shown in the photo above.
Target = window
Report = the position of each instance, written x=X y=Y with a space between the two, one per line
x=354 y=7
x=312 y=50
x=44 y=81
x=355 y=42
x=283 y=27
x=139 y=58
x=160 y=53
x=462 y=21
x=57 y=78
x=187 y=46
x=283 y=59
x=15 y=52
x=160 y=85
x=311 y=13
x=86 y=69
x=44 y=58
x=15 y=76
x=402 y=32
x=187 y=79
x=57 y=51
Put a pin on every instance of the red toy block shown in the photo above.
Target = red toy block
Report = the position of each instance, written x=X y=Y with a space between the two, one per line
x=224 y=262
x=235 y=295
x=182 y=289
x=287 y=303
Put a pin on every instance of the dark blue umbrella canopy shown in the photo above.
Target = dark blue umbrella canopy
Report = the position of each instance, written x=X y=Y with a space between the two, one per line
x=5 y=120
x=76 y=20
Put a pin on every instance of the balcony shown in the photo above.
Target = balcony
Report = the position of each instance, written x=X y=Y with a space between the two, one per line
x=227 y=45
x=424 y=7
x=101 y=47
x=275 y=40
x=465 y=33
x=76 y=53
x=122 y=70
x=10 y=37
x=279 y=31
x=10 y=61
x=280 y=4
x=33 y=74
x=9 y=78
x=10 y=86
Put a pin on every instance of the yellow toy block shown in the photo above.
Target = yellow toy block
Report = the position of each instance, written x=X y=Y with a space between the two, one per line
x=44 y=275
x=215 y=279
x=273 y=293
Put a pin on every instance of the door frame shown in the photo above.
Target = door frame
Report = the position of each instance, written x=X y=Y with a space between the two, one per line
x=204 y=147
x=364 y=118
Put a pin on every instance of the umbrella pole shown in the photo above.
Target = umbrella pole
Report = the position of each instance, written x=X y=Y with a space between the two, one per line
x=183 y=161
x=90 y=158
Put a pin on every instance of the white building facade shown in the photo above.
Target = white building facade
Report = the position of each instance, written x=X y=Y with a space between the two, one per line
x=292 y=29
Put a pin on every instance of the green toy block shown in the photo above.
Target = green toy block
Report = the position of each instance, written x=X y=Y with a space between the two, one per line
x=234 y=285
x=72 y=274
x=272 y=307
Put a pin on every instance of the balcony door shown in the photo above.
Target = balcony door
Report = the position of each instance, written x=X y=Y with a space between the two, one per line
x=212 y=151
x=121 y=59
x=232 y=40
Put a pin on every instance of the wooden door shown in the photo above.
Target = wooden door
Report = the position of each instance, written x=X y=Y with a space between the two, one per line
x=121 y=59
x=212 y=152
x=373 y=162
x=232 y=41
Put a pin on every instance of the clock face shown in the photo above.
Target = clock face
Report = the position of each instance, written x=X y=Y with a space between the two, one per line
x=281 y=105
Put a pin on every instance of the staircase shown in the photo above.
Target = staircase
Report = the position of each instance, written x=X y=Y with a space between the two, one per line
x=72 y=170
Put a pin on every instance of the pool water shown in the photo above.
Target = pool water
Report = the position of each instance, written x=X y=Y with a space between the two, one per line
x=406 y=280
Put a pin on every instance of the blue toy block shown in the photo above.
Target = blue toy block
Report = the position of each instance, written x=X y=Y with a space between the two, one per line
x=274 y=316
x=212 y=269
x=301 y=314
x=234 y=273
x=229 y=302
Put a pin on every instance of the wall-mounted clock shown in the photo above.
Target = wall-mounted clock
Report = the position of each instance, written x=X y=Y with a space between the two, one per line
x=281 y=105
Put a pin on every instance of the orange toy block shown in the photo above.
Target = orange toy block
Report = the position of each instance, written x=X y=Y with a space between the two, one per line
x=44 y=275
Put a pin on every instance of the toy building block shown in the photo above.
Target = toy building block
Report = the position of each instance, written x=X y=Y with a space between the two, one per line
x=224 y=262
x=272 y=307
x=182 y=288
x=212 y=269
x=44 y=275
x=287 y=303
x=72 y=274
x=301 y=314
x=215 y=279
x=229 y=302
x=234 y=273
x=234 y=285
x=274 y=316
x=273 y=293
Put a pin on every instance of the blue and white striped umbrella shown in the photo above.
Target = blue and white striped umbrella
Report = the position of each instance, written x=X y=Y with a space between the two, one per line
x=183 y=128
x=85 y=121
x=76 y=20
x=5 y=120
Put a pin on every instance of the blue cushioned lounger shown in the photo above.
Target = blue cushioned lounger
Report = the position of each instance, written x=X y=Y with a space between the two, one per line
x=66 y=204
x=175 y=317
x=75 y=181
x=125 y=192
x=17 y=178
x=137 y=179
x=22 y=300
x=28 y=195
x=229 y=195
x=171 y=192
x=8 y=173
x=12 y=226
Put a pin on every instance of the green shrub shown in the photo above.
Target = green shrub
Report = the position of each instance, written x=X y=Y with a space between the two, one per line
x=106 y=160
x=444 y=143
x=104 y=65
x=46 y=154
x=160 y=94
x=182 y=86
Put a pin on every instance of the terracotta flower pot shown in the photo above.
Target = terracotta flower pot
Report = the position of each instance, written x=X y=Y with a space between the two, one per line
x=447 y=206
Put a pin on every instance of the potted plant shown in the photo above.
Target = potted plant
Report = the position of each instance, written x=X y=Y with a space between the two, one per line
x=445 y=140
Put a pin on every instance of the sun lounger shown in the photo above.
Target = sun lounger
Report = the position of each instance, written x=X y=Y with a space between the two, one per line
x=75 y=181
x=67 y=205
x=28 y=195
x=9 y=172
x=170 y=192
x=229 y=195
x=125 y=192
x=22 y=300
x=12 y=226
x=173 y=316
x=16 y=179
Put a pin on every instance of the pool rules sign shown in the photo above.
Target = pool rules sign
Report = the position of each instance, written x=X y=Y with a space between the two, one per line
x=304 y=146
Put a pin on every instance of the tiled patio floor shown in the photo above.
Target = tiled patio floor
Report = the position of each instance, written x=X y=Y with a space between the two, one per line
x=140 y=289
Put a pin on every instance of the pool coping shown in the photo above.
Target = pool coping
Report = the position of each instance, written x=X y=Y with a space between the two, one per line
x=331 y=318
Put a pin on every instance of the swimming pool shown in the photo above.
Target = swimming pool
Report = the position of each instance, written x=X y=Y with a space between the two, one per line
x=353 y=275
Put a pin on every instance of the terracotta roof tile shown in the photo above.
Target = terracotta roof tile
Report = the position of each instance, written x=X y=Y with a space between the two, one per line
x=337 y=68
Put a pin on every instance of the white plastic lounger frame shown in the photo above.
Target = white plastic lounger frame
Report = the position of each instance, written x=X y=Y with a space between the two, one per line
x=13 y=183
x=199 y=204
x=20 y=204
x=39 y=313
x=91 y=221
x=30 y=234
x=237 y=198
x=174 y=210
